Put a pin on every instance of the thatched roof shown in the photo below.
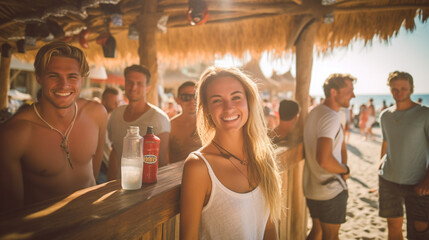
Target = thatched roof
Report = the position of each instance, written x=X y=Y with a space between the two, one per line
x=285 y=81
x=234 y=26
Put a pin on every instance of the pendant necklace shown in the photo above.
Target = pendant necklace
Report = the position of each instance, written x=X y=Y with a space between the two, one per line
x=227 y=154
x=64 y=142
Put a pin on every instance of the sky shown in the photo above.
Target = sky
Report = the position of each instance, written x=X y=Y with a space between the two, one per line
x=370 y=64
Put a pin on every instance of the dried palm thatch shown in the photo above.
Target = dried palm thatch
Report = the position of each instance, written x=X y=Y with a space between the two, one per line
x=235 y=27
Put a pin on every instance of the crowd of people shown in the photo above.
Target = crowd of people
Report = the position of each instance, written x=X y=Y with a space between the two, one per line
x=230 y=186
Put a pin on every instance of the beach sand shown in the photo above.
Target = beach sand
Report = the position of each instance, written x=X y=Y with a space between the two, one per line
x=362 y=220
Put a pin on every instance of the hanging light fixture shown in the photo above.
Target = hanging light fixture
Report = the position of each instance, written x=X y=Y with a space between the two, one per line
x=133 y=34
x=109 y=48
x=328 y=18
x=114 y=12
x=31 y=32
x=328 y=2
x=20 y=46
x=56 y=30
x=198 y=12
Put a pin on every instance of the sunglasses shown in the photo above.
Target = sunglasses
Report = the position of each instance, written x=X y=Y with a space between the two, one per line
x=187 y=97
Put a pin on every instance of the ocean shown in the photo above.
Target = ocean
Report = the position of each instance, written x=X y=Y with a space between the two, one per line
x=378 y=100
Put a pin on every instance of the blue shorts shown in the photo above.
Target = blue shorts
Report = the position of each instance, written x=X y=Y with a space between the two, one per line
x=331 y=211
x=391 y=200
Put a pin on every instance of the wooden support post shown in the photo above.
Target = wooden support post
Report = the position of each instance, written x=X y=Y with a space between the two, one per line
x=304 y=64
x=4 y=81
x=146 y=24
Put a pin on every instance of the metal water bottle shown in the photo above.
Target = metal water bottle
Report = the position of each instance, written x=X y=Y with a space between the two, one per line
x=150 y=153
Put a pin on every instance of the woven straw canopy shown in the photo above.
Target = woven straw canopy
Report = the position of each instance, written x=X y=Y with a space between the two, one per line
x=234 y=26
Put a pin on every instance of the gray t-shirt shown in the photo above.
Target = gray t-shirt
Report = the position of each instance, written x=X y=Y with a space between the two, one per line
x=406 y=133
x=322 y=122
x=117 y=126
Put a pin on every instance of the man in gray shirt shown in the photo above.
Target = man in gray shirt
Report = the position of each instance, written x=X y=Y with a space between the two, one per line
x=404 y=175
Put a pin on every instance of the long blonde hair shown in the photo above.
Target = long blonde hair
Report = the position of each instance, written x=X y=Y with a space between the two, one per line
x=262 y=166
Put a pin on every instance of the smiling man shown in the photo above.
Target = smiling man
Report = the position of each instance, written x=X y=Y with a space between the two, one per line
x=54 y=147
x=137 y=113
x=325 y=169
x=404 y=172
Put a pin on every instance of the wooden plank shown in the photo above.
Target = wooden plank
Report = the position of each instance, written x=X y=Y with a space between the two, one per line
x=104 y=211
x=4 y=81
x=107 y=212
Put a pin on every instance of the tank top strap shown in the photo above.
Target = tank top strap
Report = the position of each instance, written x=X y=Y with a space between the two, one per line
x=200 y=155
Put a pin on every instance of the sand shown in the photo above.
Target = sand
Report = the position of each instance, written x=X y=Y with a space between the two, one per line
x=362 y=220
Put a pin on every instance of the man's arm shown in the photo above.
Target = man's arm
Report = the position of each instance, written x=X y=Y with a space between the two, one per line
x=383 y=152
x=112 y=171
x=325 y=158
x=163 y=148
x=12 y=147
x=102 y=124
x=344 y=158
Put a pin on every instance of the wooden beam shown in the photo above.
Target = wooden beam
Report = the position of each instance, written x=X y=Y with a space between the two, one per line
x=4 y=81
x=381 y=8
x=15 y=74
x=148 y=46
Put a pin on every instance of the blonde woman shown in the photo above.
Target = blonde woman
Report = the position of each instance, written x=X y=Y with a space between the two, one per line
x=230 y=186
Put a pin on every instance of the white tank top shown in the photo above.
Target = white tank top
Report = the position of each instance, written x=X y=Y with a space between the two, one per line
x=232 y=215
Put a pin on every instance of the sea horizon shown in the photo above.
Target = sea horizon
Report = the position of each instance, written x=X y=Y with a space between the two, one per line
x=378 y=100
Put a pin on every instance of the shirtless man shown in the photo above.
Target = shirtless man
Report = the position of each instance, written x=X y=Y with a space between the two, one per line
x=55 y=147
x=183 y=137
x=371 y=119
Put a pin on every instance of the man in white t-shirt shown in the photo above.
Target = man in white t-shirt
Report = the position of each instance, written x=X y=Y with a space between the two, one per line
x=137 y=113
x=326 y=169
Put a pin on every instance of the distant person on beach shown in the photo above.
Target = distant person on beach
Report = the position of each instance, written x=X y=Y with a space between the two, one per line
x=137 y=113
x=270 y=116
x=384 y=106
x=349 y=122
x=289 y=113
x=420 y=101
x=370 y=111
x=183 y=136
x=403 y=171
x=231 y=186
x=363 y=118
x=53 y=148
x=111 y=99
x=325 y=169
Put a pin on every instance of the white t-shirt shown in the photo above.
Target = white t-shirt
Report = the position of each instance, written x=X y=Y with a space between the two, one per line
x=232 y=215
x=322 y=122
x=117 y=126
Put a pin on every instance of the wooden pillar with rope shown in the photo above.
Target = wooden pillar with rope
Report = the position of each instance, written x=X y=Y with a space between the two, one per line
x=147 y=27
x=5 y=74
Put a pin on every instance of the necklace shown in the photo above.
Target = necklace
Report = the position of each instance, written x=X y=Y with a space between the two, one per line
x=64 y=143
x=228 y=154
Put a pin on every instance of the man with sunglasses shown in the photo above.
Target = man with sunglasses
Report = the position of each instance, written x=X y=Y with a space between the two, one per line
x=183 y=137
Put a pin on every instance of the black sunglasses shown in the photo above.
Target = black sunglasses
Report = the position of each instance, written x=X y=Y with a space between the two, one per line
x=187 y=97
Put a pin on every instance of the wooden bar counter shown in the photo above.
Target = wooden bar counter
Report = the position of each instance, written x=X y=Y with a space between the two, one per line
x=107 y=211
x=104 y=211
